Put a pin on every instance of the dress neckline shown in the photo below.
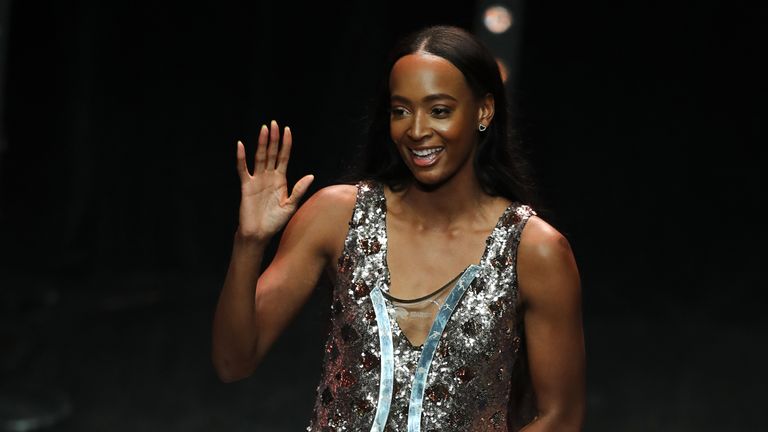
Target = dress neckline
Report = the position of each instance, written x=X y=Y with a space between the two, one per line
x=385 y=264
x=425 y=297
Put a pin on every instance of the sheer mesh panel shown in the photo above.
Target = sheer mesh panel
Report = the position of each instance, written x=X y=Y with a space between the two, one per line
x=415 y=317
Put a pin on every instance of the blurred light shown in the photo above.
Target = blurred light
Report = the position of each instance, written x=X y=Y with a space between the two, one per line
x=497 y=19
x=502 y=69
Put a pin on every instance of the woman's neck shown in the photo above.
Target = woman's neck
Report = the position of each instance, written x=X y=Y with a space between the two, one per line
x=458 y=201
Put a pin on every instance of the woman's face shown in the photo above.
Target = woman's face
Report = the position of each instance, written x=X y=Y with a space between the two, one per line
x=434 y=117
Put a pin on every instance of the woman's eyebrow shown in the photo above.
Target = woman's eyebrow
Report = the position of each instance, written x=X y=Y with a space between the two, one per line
x=428 y=98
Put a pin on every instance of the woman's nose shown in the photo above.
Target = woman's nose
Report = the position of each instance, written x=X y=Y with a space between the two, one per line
x=419 y=128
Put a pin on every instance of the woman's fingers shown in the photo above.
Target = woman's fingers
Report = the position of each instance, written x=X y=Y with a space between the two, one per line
x=274 y=145
x=300 y=188
x=261 y=150
x=242 y=167
x=285 y=151
x=270 y=155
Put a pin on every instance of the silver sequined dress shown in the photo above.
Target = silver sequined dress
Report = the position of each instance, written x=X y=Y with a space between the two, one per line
x=461 y=378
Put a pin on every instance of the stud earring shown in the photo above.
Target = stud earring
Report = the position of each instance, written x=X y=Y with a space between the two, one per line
x=481 y=127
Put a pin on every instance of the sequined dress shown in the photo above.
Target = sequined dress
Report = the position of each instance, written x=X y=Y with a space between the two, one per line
x=461 y=378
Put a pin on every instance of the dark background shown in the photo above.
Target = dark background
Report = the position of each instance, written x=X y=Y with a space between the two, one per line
x=118 y=197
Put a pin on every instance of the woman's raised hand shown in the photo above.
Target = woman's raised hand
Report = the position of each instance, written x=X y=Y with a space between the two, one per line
x=265 y=205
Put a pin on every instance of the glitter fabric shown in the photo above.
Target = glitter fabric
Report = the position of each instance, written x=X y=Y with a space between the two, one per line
x=468 y=382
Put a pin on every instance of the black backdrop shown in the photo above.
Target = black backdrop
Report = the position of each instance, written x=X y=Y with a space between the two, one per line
x=643 y=121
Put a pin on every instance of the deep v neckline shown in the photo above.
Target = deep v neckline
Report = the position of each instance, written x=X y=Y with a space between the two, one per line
x=385 y=263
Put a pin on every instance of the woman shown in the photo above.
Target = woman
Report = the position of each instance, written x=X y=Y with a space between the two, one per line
x=498 y=346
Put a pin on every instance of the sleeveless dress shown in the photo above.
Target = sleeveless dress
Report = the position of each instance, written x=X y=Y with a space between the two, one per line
x=469 y=374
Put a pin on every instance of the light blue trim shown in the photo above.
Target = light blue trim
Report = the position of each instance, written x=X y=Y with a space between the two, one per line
x=387 y=361
x=430 y=345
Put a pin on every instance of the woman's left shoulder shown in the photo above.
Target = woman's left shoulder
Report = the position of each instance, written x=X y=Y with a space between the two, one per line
x=542 y=238
x=544 y=253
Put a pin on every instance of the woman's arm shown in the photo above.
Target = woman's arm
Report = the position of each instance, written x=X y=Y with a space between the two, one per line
x=551 y=295
x=255 y=307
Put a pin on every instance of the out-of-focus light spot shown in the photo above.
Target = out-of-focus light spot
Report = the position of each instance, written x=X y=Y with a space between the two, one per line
x=503 y=70
x=497 y=19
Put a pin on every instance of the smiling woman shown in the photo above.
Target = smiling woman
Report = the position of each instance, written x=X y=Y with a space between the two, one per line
x=434 y=115
x=454 y=306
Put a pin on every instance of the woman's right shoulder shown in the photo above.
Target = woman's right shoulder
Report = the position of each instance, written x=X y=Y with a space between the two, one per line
x=339 y=198
x=324 y=218
x=329 y=209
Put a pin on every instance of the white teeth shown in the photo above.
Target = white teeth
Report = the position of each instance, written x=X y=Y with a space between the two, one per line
x=426 y=152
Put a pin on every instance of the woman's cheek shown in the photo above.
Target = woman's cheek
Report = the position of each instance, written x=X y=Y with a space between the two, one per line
x=396 y=131
x=447 y=129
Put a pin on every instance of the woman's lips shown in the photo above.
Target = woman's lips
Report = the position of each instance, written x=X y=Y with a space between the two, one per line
x=425 y=157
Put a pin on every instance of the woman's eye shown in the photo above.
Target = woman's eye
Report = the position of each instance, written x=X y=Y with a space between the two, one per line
x=398 y=112
x=440 y=111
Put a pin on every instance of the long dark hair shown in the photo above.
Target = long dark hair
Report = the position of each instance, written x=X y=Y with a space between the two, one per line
x=499 y=163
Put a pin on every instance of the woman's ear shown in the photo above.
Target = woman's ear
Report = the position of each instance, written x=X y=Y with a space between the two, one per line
x=487 y=109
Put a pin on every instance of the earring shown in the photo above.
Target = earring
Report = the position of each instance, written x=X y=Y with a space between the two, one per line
x=481 y=127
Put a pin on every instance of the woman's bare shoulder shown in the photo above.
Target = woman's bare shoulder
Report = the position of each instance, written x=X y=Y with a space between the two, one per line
x=542 y=239
x=545 y=262
x=332 y=201
x=323 y=218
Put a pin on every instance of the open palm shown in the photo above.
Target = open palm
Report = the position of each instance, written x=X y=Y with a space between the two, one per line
x=265 y=205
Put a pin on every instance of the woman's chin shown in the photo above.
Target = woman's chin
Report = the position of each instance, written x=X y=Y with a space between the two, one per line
x=429 y=181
